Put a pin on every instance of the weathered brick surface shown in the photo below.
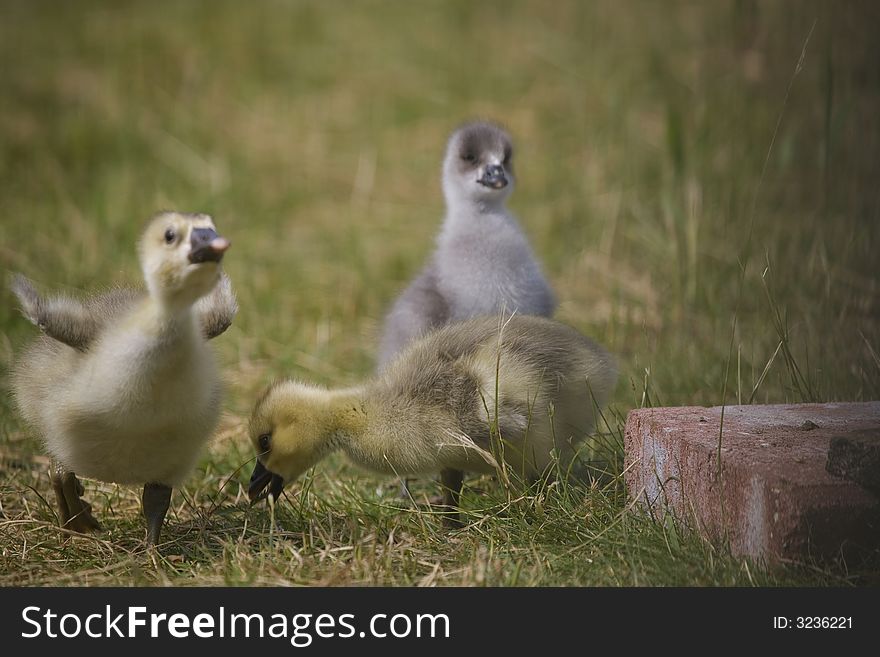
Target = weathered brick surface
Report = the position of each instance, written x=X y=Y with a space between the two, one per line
x=769 y=487
x=856 y=456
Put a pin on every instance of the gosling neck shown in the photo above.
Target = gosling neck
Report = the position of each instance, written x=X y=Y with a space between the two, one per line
x=348 y=417
x=368 y=434
x=459 y=204
x=167 y=316
x=355 y=419
x=172 y=312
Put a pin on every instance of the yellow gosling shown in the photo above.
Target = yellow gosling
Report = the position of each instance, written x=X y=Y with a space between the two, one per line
x=468 y=397
x=122 y=386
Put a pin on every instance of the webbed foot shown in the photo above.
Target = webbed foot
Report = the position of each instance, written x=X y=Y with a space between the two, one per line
x=73 y=512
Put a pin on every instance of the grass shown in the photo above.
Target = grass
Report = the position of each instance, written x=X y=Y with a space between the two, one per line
x=313 y=134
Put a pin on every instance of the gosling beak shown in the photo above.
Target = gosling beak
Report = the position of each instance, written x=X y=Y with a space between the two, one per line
x=260 y=479
x=493 y=176
x=207 y=246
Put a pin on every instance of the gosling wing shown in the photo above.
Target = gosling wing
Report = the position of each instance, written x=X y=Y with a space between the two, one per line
x=217 y=310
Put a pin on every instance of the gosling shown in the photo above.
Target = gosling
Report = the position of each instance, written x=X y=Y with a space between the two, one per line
x=483 y=264
x=122 y=386
x=479 y=395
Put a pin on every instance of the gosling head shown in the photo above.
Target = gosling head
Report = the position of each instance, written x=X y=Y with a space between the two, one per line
x=479 y=165
x=180 y=256
x=291 y=428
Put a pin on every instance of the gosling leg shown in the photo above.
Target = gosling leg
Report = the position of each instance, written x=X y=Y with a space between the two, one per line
x=156 y=499
x=451 y=480
x=73 y=512
x=403 y=492
x=56 y=473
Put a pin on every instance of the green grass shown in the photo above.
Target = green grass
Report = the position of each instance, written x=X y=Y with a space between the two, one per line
x=313 y=133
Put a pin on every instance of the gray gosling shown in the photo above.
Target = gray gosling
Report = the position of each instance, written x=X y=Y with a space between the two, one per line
x=122 y=386
x=483 y=264
x=436 y=408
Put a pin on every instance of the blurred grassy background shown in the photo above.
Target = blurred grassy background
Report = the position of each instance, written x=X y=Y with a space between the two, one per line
x=313 y=132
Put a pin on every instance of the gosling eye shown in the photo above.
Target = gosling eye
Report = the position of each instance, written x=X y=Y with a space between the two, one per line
x=265 y=442
x=469 y=157
x=170 y=236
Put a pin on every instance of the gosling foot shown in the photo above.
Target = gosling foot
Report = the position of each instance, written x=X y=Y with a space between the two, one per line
x=74 y=513
x=156 y=499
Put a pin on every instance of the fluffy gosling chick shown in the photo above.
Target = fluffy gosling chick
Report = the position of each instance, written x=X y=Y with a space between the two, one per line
x=434 y=408
x=122 y=386
x=483 y=263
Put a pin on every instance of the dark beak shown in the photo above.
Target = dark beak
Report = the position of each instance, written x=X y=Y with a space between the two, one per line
x=260 y=479
x=207 y=246
x=494 y=177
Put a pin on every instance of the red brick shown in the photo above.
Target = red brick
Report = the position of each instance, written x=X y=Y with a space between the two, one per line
x=768 y=490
